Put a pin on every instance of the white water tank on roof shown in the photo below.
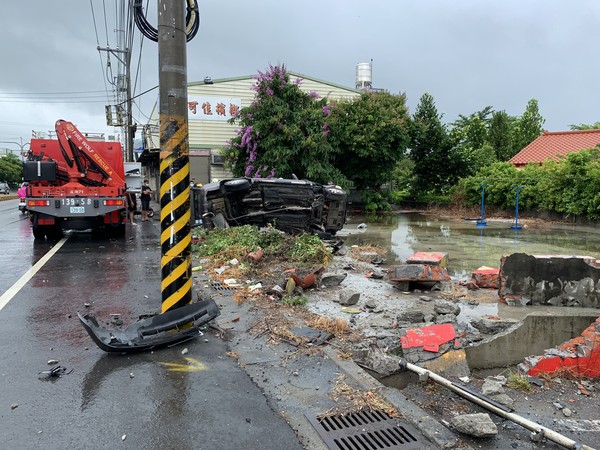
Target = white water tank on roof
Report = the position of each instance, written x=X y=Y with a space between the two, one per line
x=364 y=75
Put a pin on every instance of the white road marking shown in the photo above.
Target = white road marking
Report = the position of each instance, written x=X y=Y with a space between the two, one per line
x=12 y=291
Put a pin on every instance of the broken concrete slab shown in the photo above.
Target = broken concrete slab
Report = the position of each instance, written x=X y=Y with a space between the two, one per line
x=331 y=279
x=486 y=277
x=479 y=425
x=492 y=324
x=446 y=307
x=577 y=358
x=411 y=316
x=429 y=258
x=558 y=280
x=348 y=297
x=420 y=273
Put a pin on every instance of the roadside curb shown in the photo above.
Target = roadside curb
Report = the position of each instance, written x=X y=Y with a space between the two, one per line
x=272 y=370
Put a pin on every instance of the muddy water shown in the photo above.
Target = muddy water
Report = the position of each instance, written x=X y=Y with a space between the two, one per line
x=468 y=246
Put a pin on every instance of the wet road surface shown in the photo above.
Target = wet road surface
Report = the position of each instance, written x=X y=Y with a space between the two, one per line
x=160 y=399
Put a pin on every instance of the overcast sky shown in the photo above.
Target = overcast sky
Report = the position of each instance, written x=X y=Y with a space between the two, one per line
x=468 y=54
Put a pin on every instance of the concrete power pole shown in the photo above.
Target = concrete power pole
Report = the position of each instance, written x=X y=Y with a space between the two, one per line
x=175 y=239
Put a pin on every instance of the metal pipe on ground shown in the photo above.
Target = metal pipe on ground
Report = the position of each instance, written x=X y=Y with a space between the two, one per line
x=525 y=423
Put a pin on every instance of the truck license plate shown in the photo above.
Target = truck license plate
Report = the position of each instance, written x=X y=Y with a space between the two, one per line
x=77 y=210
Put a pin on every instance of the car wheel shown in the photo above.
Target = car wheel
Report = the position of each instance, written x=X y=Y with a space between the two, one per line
x=241 y=184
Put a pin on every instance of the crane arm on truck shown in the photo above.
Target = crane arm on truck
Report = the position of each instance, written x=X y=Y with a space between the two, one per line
x=76 y=148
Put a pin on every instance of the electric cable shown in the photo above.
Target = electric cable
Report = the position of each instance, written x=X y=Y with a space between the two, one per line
x=192 y=20
x=99 y=53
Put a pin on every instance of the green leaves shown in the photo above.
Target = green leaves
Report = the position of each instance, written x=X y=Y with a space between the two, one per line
x=11 y=169
x=370 y=135
x=570 y=187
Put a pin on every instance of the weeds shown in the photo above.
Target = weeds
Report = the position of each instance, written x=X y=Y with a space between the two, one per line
x=336 y=327
x=518 y=381
x=294 y=300
x=308 y=248
x=234 y=242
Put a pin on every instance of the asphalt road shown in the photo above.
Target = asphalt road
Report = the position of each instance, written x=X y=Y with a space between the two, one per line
x=166 y=399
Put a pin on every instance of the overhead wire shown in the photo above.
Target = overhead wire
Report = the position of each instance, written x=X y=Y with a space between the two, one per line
x=192 y=20
x=99 y=53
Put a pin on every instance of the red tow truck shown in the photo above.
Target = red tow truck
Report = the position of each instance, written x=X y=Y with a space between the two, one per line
x=75 y=183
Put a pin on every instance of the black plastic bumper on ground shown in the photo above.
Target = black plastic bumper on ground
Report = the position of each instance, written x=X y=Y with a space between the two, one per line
x=169 y=328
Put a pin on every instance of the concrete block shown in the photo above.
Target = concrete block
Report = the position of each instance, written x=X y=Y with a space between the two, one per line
x=577 y=358
x=430 y=258
x=558 y=280
x=418 y=273
x=486 y=277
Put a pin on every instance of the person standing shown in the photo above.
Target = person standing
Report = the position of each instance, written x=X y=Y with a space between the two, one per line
x=145 y=200
x=131 y=206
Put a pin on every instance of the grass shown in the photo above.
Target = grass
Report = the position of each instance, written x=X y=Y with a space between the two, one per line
x=518 y=381
x=236 y=242
x=294 y=300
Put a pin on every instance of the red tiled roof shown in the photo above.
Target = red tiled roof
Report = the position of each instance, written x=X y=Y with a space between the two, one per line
x=553 y=144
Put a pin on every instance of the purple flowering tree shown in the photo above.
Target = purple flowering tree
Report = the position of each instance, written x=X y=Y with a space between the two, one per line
x=284 y=132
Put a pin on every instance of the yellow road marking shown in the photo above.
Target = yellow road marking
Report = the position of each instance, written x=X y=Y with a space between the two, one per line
x=193 y=365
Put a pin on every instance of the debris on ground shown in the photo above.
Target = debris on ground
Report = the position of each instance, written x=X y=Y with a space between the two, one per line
x=56 y=372
x=479 y=425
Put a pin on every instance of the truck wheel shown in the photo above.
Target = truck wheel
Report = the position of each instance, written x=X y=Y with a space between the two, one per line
x=54 y=233
x=38 y=232
x=241 y=184
x=117 y=230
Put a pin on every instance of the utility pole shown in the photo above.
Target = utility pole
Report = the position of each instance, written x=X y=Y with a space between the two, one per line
x=129 y=131
x=175 y=238
x=126 y=61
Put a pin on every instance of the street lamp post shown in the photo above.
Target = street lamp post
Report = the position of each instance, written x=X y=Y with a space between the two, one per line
x=516 y=226
x=481 y=222
x=21 y=147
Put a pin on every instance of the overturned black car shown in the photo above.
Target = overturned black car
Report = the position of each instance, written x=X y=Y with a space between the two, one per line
x=290 y=205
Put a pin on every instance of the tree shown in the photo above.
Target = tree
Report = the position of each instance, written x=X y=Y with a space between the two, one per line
x=527 y=127
x=370 y=135
x=11 y=169
x=500 y=135
x=473 y=128
x=583 y=126
x=283 y=133
x=431 y=149
x=470 y=135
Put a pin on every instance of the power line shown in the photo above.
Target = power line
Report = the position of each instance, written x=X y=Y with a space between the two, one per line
x=58 y=100
x=50 y=93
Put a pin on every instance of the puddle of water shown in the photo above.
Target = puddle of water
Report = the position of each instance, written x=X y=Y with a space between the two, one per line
x=468 y=313
x=468 y=247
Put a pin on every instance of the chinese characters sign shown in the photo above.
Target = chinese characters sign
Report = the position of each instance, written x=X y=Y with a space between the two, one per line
x=213 y=108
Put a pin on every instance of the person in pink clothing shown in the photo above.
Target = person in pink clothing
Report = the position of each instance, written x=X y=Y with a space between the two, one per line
x=22 y=191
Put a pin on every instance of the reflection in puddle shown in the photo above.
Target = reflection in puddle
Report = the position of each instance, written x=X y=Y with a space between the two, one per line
x=468 y=247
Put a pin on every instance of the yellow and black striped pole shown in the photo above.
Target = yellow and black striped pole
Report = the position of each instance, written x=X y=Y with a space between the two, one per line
x=175 y=237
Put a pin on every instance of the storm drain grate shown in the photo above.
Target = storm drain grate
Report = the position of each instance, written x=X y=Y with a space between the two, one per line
x=221 y=287
x=366 y=430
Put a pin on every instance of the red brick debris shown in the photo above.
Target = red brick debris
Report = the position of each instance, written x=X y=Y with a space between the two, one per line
x=486 y=277
x=577 y=358
x=430 y=338
x=431 y=258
